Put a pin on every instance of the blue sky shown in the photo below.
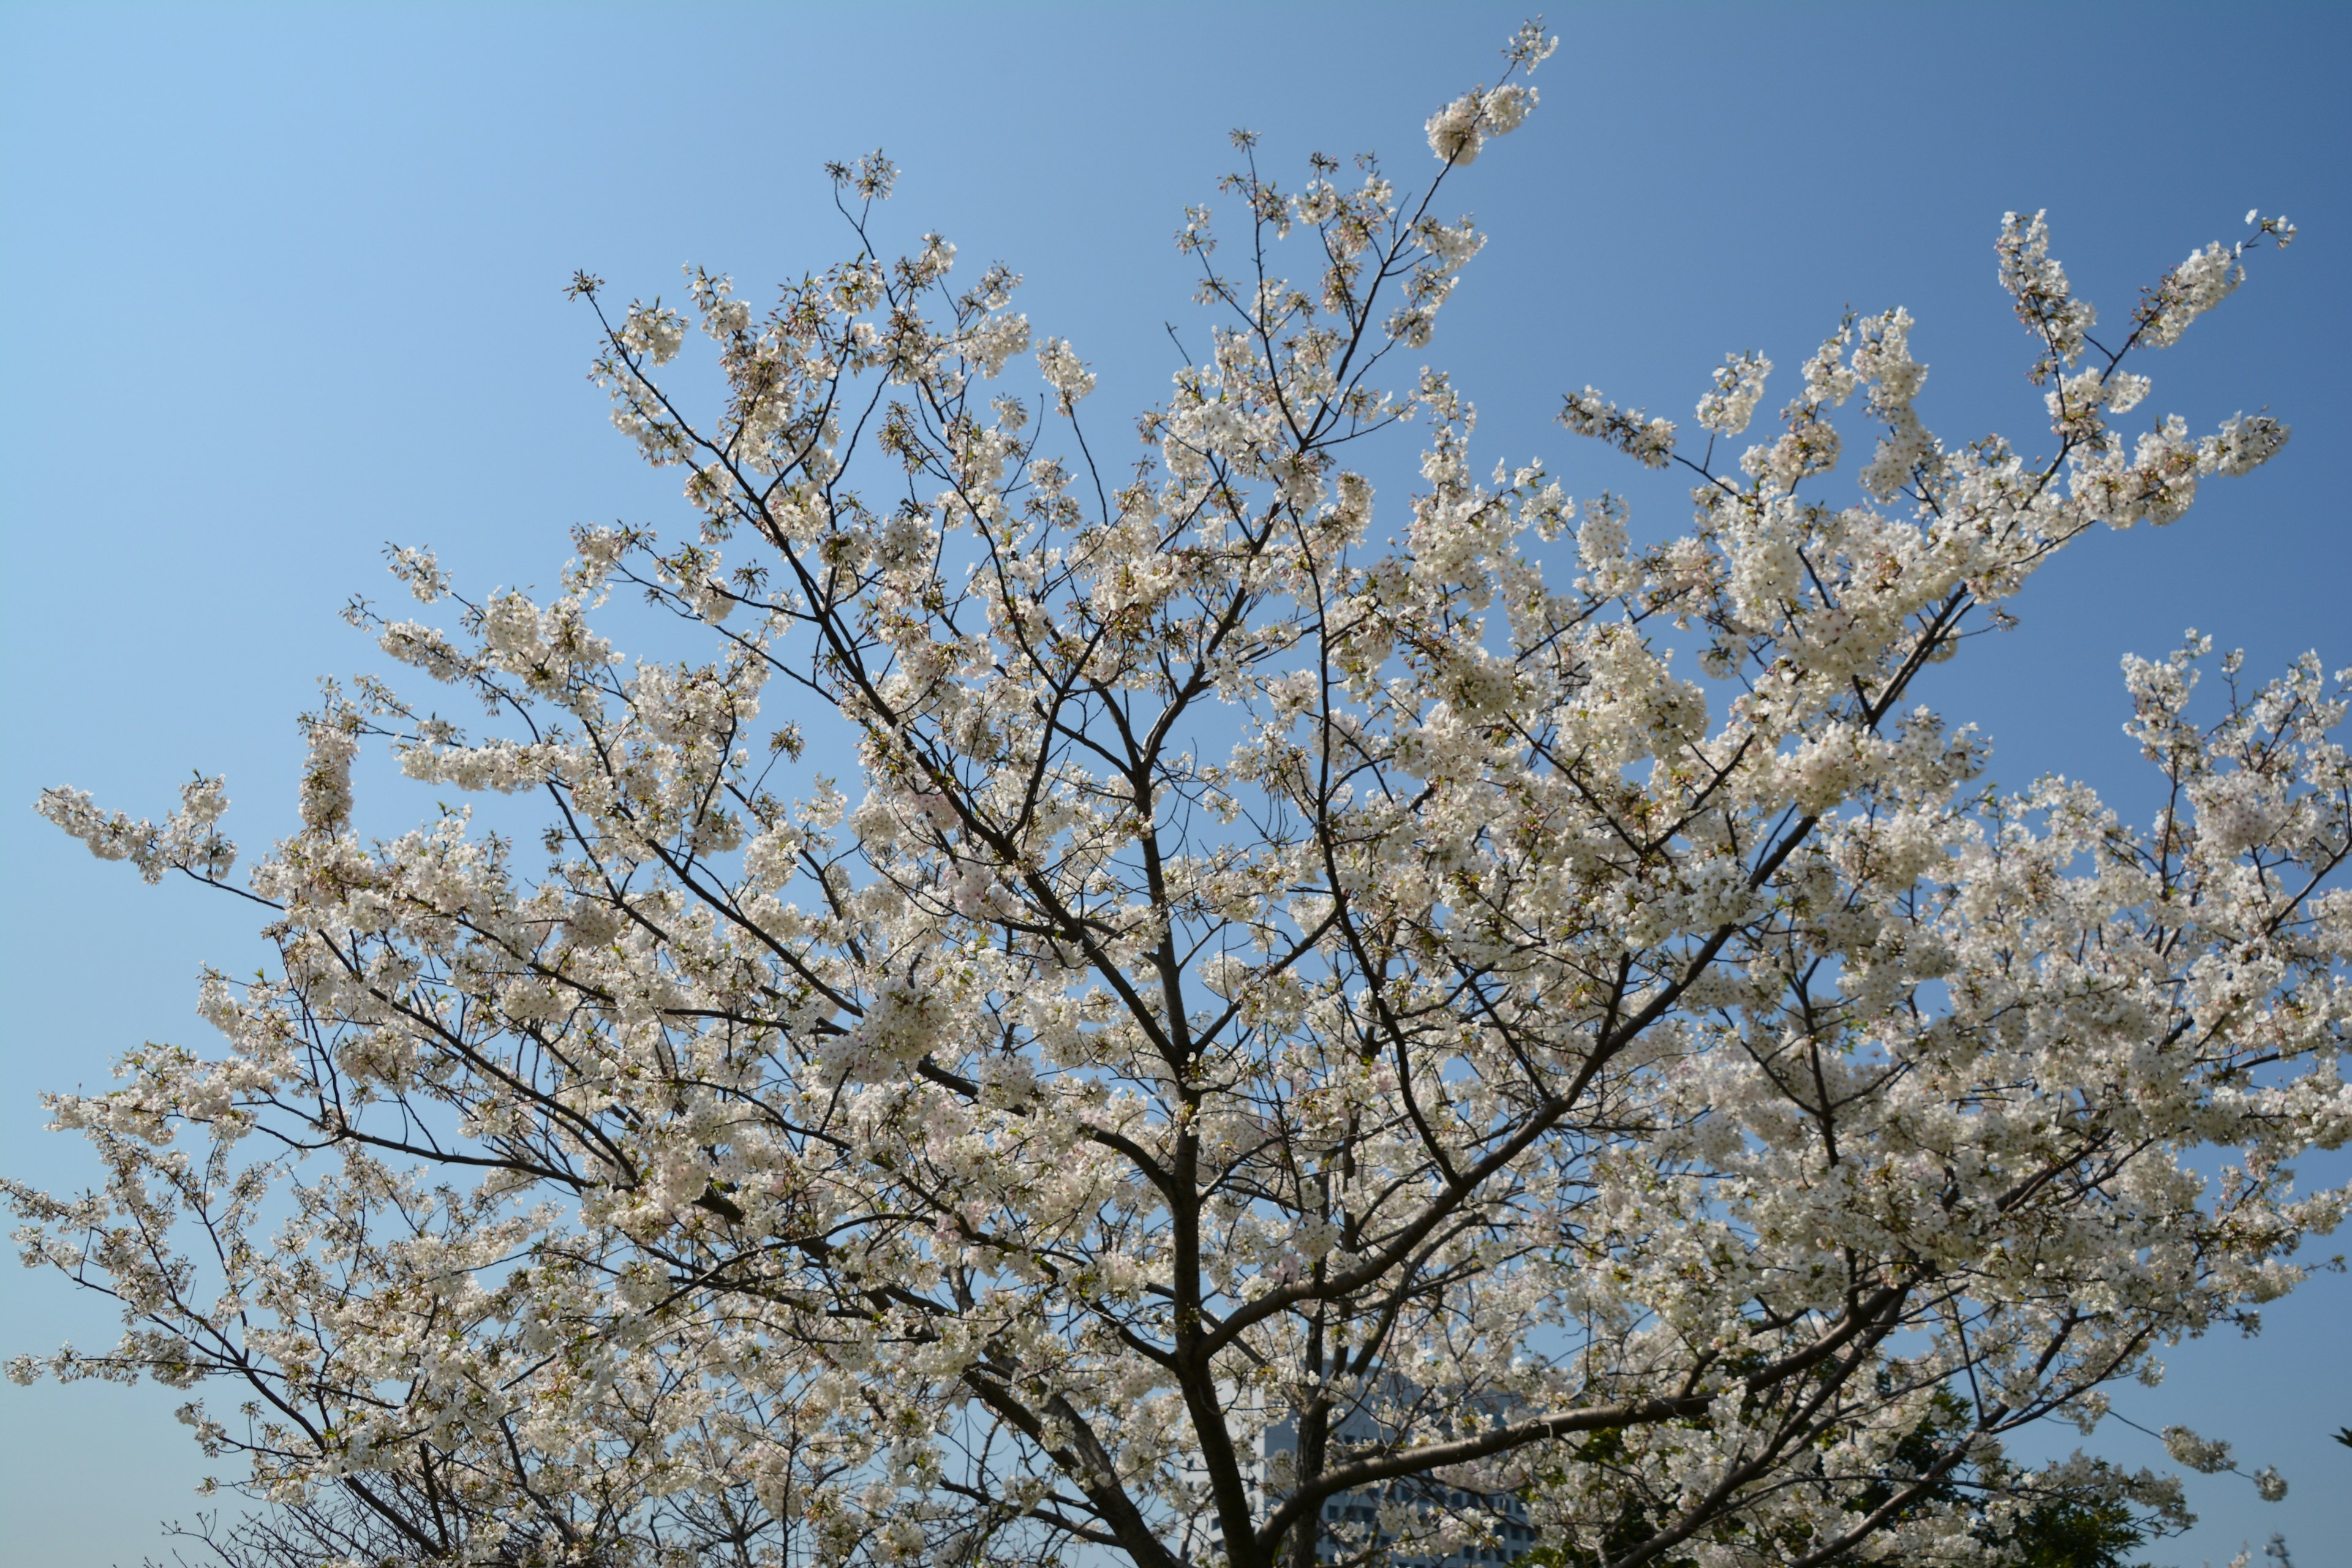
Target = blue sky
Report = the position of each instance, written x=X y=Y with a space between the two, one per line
x=284 y=282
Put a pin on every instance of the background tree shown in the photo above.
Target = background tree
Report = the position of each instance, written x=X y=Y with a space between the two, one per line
x=1303 y=1046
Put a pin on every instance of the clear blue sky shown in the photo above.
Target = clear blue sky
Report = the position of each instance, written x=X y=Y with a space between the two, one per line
x=283 y=282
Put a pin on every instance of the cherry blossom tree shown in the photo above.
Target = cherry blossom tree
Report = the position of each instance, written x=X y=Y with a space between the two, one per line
x=1195 y=1014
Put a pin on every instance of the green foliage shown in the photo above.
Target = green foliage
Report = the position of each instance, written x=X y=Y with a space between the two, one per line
x=2077 y=1532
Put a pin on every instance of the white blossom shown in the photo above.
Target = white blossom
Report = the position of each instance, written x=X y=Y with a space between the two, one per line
x=1064 y=373
x=1738 y=387
x=2196 y=1453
